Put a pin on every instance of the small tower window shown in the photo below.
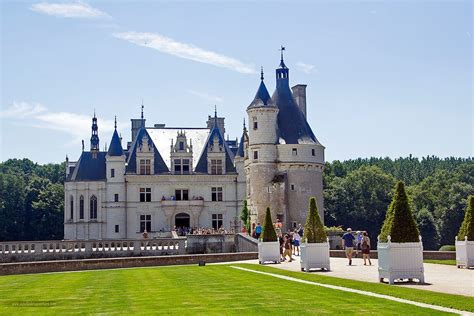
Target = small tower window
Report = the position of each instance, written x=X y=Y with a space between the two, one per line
x=255 y=125
x=255 y=155
x=294 y=151
x=116 y=197
x=313 y=152
x=112 y=173
x=292 y=187
x=116 y=228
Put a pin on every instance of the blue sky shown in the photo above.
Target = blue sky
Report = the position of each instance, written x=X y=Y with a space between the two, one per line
x=384 y=78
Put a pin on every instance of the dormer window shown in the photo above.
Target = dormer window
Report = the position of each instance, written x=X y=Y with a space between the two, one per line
x=145 y=166
x=216 y=166
x=181 y=145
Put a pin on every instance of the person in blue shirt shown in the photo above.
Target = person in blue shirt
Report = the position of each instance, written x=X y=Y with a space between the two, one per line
x=348 y=244
x=258 y=231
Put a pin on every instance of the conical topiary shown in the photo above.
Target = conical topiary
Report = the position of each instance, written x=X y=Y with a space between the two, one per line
x=244 y=216
x=268 y=233
x=399 y=222
x=467 y=226
x=313 y=229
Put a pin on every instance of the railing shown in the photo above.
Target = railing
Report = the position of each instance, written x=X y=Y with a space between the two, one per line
x=245 y=243
x=54 y=249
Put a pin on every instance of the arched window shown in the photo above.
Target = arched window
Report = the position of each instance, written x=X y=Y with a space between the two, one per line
x=81 y=207
x=71 y=207
x=93 y=207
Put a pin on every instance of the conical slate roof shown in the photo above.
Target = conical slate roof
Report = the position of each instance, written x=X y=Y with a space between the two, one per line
x=115 y=148
x=262 y=97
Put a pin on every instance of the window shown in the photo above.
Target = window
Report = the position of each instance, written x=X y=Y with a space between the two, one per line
x=116 y=198
x=81 y=207
x=181 y=195
x=313 y=152
x=145 y=194
x=292 y=187
x=216 y=166
x=93 y=207
x=112 y=173
x=217 y=221
x=181 y=166
x=185 y=166
x=145 y=166
x=145 y=223
x=181 y=145
x=116 y=228
x=255 y=155
x=71 y=208
x=255 y=125
x=294 y=151
x=216 y=194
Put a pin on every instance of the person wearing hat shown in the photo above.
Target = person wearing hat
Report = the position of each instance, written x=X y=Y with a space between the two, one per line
x=348 y=244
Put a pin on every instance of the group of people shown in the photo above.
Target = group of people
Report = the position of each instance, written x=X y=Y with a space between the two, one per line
x=361 y=242
x=183 y=231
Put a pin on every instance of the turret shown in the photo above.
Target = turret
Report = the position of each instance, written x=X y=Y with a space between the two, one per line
x=262 y=115
x=94 y=137
x=115 y=158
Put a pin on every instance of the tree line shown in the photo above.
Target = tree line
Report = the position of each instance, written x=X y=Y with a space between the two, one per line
x=356 y=194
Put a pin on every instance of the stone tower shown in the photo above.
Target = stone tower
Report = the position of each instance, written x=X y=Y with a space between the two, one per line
x=285 y=160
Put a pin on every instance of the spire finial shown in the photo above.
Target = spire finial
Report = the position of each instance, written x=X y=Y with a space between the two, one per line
x=215 y=111
x=143 y=121
x=244 y=123
x=261 y=73
x=94 y=113
x=115 y=123
x=281 y=50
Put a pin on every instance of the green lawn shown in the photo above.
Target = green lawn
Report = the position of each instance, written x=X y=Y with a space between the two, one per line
x=215 y=289
x=448 y=262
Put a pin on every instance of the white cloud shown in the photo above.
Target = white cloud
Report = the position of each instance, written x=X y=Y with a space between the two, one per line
x=206 y=96
x=188 y=51
x=69 y=10
x=22 y=110
x=78 y=126
x=306 y=68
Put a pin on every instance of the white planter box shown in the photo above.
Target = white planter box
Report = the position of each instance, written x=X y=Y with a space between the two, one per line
x=400 y=261
x=314 y=256
x=268 y=252
x=465 y=253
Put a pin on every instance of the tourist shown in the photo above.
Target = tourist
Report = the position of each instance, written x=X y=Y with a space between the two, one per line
x=287 y=246
x=296 y=243
x=282 y=242
x=366 y=248
x=300 y=230
x=145 y=234
x=258 y=231
x=278 y=226
x=348 y=244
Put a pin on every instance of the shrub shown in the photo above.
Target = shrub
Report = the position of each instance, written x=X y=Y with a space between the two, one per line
x=447 y=248
x=334 y=229
x=314 y=229
x=268 y=233
x=467 y=226
x=244 y=216
x=399 y=222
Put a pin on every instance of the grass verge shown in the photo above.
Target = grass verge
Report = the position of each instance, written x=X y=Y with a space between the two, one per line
x=447 y=262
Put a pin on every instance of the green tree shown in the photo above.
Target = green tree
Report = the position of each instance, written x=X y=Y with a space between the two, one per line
x=48 y=212
x=244 y=216
x=314 y=231
x=268 y=233
x=467 y=226
x=428 y=229
x=399 y=223
x=12 y=207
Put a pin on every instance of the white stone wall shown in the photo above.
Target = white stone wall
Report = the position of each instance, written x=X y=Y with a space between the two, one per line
x=266 y=132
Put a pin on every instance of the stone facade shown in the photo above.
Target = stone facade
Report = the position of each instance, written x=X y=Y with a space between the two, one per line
x=167 y=177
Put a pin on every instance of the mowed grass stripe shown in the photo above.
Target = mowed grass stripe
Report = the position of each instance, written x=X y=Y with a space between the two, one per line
x=459 y=302
x=210 y=290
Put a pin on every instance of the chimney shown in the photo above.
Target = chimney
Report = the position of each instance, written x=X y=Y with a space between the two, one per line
x=299 y=93
x=220 y=123
x=136 y=125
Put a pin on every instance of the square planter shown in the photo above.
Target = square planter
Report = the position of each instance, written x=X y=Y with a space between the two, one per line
x=314 y=256
x=400 y=261
x=465 y=253
x=268 y=252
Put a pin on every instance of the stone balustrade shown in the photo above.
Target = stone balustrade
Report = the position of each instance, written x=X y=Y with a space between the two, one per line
x=55 y=249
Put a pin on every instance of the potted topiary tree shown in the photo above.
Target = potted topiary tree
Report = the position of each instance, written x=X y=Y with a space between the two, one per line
x=268 y=245
x=315 y=243
x=400 y=250
x=465 y=238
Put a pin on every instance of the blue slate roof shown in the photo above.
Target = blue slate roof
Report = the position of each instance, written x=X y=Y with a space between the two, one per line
x=292 y=125
x=240 y=150
x=90 y=169
x=159 y=163
x=262 y=97
x=115 y=148
x=201 y=166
